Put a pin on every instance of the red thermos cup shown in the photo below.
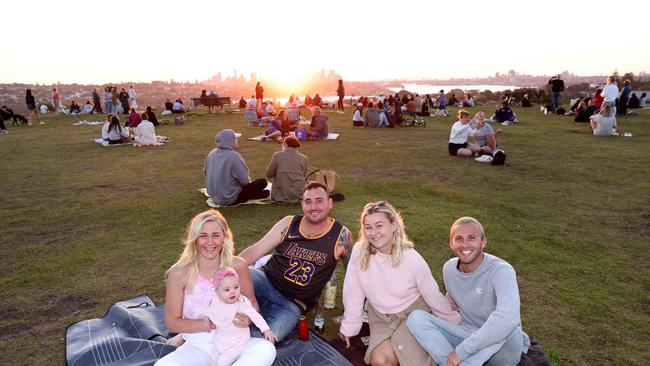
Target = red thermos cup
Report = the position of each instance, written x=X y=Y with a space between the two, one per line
x=303 y=329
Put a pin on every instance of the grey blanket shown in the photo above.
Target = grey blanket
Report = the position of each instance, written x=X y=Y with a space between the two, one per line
x=133 y=332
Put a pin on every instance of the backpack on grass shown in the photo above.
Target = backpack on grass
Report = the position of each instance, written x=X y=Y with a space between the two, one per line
x=498 y=157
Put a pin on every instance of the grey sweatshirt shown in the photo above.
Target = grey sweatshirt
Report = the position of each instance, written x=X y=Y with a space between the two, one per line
x=225 y=170
x=487 y=298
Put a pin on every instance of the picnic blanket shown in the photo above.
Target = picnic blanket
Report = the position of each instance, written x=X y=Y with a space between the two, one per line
x=88 y=123
x=261 y=201
x=358 y=344
x=161 y=141
x=330 y=136
x=133 y=332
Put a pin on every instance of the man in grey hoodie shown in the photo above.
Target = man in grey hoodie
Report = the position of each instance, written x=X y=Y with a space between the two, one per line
x=484 y=290
x=226 y=173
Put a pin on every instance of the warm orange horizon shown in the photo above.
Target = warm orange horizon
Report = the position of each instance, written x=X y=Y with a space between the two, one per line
x=79 y=42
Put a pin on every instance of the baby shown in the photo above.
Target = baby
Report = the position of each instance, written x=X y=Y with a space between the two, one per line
x=228 y=340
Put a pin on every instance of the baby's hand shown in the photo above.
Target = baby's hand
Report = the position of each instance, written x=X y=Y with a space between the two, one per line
x=268 y=334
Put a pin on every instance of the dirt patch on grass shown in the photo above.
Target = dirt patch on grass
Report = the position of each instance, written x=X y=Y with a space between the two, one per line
x=21 y=318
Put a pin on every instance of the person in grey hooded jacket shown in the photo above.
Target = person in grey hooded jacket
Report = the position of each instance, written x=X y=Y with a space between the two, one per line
x=226 y=173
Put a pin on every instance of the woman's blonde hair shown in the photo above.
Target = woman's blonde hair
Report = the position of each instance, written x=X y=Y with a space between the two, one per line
x=188 y=263
x=462 y=113
x=400 y=241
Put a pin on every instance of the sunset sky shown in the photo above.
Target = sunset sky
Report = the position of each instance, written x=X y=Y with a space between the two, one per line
x=74 y=41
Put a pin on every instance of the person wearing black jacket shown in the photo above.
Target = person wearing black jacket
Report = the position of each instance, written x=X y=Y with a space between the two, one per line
x=151 y=117
x=557 y=87
x=124 y=100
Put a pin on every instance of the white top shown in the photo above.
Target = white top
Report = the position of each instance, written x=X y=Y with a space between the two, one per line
x=114 y=134
x=356 y=117
x=610 y=92
x=145 y=133
x=604 y=125
x=132 y=93
x=460 y=133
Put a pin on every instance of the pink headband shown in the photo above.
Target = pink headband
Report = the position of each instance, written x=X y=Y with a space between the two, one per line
x=223 y=273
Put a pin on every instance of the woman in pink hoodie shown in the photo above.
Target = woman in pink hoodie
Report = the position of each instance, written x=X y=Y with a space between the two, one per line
x=386 y=271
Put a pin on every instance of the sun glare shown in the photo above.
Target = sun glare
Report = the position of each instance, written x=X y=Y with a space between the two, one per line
x=289 y=82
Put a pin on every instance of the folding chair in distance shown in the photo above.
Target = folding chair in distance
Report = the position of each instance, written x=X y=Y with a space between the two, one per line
x=252 y=120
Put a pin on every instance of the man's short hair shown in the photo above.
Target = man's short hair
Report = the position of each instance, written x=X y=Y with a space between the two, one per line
x=314 y=185
x=464 y=221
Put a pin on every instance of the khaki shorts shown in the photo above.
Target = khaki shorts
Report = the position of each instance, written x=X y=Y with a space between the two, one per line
x=393 y=327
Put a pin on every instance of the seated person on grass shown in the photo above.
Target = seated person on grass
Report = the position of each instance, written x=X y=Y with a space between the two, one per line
x=357 y=116
x=633 y=102
x=484 y=289
x=178 y=107
x=388 y=274
x=134 y=119
x=319 y=127
x=169 y=106
x=226 y=174
x=603 y=123
x=88 y=108
x=278 y=129
x=113 y=132
x=74 y=108
x=151 y=116
x=505 y=115
x=305 y=250
x=485 y=136
x=582 y=112
x=145 y=132
x=460 y=132
x=288 y=169
x=382 y=120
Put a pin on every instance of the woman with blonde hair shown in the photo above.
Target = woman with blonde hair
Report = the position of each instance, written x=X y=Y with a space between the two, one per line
x=485 y=136
x=209 y=247
x=386 y=271
x=461 y=130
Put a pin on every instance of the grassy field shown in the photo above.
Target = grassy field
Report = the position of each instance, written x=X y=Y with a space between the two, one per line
x=84 y=226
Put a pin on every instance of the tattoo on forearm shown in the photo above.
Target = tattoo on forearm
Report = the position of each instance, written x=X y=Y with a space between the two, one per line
x=346 y=239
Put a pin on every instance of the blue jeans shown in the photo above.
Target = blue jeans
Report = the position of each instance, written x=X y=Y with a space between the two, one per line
x=555 y=101
x=439 y=337
x=109 y=106
x=279 y=312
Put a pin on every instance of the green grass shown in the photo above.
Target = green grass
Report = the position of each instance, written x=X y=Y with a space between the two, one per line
x=84 y=226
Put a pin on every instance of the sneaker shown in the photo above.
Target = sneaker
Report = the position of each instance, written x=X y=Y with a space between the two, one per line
x=506 y=123
x=4 y=132
x=42 y=123
x=484 y=159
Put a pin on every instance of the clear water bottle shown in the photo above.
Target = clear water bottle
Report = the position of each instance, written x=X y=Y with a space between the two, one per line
x=330 y=292
x=319 y=323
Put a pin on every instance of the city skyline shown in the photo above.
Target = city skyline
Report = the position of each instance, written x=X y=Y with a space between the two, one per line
x=77 y=42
